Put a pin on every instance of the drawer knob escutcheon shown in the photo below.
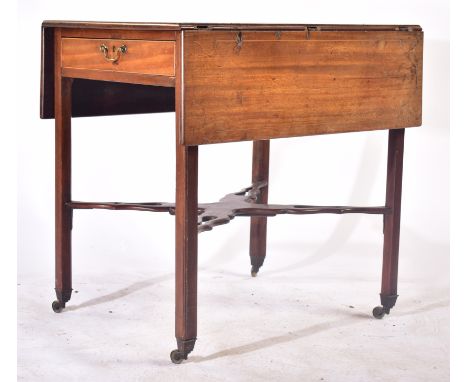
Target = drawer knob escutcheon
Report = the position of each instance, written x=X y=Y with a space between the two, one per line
x=105 y=51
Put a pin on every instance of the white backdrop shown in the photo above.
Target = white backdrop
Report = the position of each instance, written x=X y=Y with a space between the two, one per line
x=131 y=158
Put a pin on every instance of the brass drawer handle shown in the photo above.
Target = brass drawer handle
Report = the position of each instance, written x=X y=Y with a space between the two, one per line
x=105 y=51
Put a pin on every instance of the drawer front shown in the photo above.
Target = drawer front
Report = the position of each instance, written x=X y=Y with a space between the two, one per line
x=125 y=56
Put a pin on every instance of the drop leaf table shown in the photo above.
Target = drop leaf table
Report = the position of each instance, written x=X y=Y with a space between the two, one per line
x=229 y=83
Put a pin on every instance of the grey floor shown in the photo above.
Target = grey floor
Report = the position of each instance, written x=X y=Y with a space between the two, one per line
x=306 y=317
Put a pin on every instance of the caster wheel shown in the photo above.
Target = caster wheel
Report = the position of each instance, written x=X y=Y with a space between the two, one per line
x=57 y=306
x=378 y=312
x=177 y=357
x=254 y=270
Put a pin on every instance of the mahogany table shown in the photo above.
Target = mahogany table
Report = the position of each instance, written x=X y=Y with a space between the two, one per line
x=226 y=83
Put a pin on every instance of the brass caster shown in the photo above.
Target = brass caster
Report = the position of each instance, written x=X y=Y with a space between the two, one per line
x=177 y=357
x=379 y=312
x=57 y=306
x=254 y=271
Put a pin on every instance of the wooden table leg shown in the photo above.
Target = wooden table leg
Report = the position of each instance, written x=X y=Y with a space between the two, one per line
x=63 y=213
x=186 y=250
x=388 y=295
x=258 y=224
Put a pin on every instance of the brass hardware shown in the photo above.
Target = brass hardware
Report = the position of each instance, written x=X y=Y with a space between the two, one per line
x=311 y=29
x=238 y=42
x=404 y=28
x=105 y=50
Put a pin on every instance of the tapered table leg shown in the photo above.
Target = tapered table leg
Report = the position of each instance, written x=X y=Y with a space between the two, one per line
x=63 y=213
x=186 y=250
x=388 y=295
x=258 y=224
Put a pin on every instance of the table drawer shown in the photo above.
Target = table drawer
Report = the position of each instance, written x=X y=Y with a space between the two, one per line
x=124 y=56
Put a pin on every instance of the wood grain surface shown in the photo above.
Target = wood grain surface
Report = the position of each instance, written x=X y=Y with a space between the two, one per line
x=259 y=85
x=121 y=34
x=63 y=213
x=152 y=26
x=142 y=57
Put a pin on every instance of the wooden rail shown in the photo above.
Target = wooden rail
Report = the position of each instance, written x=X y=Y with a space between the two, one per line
x=242 y=203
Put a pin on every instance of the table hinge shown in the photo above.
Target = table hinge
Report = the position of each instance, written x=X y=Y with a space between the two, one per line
x=238 y=42
x=404 y=28
x=311 y=28
x=203 y=26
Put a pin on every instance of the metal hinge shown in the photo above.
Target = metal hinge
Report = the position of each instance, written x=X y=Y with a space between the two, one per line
x=311 y=28
x=202 y=26
x=238 y=42
x=404 y=28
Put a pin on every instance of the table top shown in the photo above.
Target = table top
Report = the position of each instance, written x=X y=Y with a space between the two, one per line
x=237 y=82
x=224 y=26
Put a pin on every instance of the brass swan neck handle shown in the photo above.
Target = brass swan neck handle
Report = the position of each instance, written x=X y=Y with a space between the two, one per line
x=117 y=52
